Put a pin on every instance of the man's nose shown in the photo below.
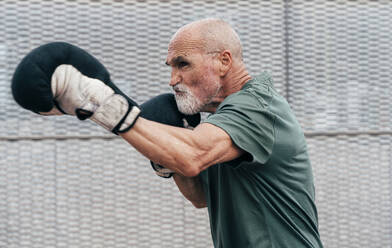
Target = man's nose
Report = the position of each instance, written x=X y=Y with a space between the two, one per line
x=175 y=78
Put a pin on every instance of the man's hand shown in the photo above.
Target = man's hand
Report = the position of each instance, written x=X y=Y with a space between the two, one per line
x=59 y=78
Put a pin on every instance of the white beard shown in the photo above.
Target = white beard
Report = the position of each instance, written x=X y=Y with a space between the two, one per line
x=187 y=103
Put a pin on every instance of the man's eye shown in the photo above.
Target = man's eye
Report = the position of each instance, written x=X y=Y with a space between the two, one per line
x=182 y=64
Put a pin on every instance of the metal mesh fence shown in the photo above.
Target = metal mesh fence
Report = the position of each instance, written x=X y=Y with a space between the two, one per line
x=339 y=64
x=339 y=74
x=65 y=183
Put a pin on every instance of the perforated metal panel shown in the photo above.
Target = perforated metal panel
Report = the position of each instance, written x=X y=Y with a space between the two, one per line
x=91 y=193
x=58 y=190
x=339 y=76
x=340 y=64
x=352 y=175
x=130 y=38
x=66 y=183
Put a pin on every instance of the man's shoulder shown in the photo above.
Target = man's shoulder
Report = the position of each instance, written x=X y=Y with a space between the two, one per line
x=242 y=99
x=259 y=90
x=260 y=81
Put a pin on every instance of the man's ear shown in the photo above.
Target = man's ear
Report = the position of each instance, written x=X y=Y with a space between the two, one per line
x=226 y=62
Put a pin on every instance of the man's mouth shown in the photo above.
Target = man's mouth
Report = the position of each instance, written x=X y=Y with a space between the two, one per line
x=178 y=91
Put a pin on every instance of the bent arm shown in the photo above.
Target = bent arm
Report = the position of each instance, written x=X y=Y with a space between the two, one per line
x=192 y=189
x=184 y=151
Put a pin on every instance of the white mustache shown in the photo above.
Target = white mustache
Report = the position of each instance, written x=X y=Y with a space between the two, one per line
x=181 y=88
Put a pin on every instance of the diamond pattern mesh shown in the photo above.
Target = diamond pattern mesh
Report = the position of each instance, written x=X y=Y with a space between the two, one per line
x=66 y=183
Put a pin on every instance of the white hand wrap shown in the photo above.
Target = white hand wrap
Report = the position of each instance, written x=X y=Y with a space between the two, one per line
x=76 y=93
x=161 y=171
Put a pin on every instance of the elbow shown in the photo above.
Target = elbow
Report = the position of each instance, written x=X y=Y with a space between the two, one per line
x=191 y=171
x=199 y=205
x=194 y=162
x=192 y=167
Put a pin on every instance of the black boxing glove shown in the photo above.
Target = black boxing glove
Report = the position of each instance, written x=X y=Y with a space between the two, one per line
x=59 y=78
x=163 y=109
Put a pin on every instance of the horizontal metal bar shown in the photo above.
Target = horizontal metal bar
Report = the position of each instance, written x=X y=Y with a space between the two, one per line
x=349 y=133
x=111 y=137
x=58 y=137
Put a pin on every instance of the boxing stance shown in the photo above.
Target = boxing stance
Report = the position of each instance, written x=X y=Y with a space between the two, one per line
x=44 y=82
x=247 y=161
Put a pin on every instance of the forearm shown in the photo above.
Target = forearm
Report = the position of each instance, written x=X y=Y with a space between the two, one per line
x=192 y=189
x=169 y=146
x=184 y=151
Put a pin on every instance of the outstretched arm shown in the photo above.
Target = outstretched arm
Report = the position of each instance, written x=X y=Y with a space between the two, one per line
x=59 y=78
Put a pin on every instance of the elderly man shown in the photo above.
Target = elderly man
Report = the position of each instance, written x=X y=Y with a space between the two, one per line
x=247 y=162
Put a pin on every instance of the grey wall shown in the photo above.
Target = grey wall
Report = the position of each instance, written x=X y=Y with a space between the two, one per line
x=65 y=183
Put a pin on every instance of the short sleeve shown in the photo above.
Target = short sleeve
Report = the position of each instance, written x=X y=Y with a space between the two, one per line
x=249 y=123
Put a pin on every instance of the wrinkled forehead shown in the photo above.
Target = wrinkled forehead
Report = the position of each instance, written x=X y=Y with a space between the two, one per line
x=185 y=43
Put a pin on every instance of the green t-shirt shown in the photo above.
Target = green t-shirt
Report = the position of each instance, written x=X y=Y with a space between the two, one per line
x=266 y=197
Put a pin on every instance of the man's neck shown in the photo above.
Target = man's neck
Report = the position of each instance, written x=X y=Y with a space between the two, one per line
x=231 y=83
x=235 y=80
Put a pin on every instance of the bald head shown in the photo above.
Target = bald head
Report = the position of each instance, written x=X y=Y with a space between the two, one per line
x=202 y=81
x=210 y=35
